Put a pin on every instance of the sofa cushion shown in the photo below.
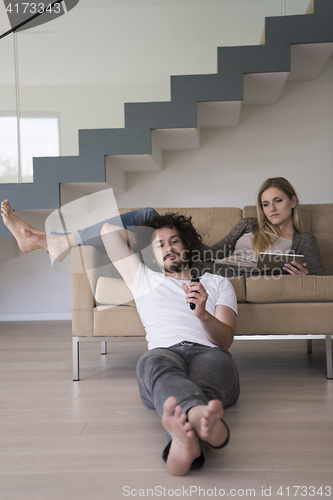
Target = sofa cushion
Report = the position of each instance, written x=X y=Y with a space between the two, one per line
x=113 y=291
x=117 y=321
x=293 y=318
x=249 y=211
x=270 y=289
x=238 y=282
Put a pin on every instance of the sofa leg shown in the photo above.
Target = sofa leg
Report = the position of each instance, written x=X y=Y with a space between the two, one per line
x=76 y=365
x=329 y=361
x=309 y=343
x=104 y=347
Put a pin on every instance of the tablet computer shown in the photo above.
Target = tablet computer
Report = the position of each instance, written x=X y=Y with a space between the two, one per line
x=275 y=261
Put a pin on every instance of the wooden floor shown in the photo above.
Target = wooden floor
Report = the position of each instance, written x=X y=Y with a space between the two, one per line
x=95 y=440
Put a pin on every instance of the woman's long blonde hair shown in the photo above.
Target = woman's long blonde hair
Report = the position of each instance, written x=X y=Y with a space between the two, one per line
x=266 y=233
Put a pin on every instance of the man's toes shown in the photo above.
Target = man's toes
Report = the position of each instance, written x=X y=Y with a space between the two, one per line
x=188 y=427
x=183 y=418
x=5 y=207
x=214 y=406
x=178 y=412
x=169 y=405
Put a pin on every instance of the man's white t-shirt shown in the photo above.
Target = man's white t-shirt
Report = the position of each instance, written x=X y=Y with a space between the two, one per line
x=164 y=312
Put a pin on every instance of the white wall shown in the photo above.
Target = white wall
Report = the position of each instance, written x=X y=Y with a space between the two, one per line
x=32 y=290
x=292 y=138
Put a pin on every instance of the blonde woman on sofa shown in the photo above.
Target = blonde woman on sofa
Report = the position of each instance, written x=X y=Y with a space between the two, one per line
x=276 y=229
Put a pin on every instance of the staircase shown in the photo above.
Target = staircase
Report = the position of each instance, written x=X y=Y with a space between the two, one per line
x=293 y=48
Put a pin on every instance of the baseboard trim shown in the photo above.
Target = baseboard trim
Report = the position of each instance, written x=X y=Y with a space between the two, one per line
x=36 y=317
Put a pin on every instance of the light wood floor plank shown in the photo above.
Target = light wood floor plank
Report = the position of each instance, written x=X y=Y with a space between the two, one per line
x=89 y=440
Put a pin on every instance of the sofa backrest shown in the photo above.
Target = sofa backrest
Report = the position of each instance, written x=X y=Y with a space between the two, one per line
x=211 y=223
x=215 y=223
x=318 y=220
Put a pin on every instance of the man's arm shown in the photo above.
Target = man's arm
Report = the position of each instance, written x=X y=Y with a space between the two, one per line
x=219 y=328
x=117 y=243
x=227 y=245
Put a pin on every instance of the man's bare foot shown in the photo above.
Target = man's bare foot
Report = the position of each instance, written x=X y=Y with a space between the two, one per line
x=30 y=238
x=206 y=422
x=57 y=245
x=8 y=212
x=15 y=225
x=185 y=445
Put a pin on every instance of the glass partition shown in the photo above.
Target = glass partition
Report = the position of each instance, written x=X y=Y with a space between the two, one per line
x=8 y=120
x=295 y=7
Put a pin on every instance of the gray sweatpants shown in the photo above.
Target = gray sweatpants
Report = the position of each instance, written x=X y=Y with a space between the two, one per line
x=194 y=374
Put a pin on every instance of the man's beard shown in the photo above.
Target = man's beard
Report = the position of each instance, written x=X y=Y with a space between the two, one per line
x=174 y=266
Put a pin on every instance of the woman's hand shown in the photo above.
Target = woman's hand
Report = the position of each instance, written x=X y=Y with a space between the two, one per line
x=196 y=294
x=296 y=268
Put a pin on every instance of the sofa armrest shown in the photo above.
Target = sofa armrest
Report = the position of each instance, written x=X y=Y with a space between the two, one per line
x=86 y=266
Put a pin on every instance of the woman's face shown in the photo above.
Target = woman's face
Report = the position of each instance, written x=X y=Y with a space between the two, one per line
x=277 y=206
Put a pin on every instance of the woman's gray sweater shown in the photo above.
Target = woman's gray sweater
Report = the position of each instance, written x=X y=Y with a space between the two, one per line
x=302 y=244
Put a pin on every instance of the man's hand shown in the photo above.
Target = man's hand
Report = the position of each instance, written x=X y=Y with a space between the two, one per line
x=196 y=294
x=219 y=328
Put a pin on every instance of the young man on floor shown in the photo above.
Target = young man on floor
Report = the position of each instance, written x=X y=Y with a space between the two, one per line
x=187 y=375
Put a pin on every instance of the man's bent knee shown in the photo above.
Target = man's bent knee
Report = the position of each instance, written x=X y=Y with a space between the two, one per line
x=106 y=228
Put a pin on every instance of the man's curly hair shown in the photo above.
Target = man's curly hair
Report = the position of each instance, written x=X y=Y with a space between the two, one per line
x=189 y=236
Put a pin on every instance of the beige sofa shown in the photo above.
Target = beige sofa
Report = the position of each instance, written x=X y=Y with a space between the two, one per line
x=293 y=306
